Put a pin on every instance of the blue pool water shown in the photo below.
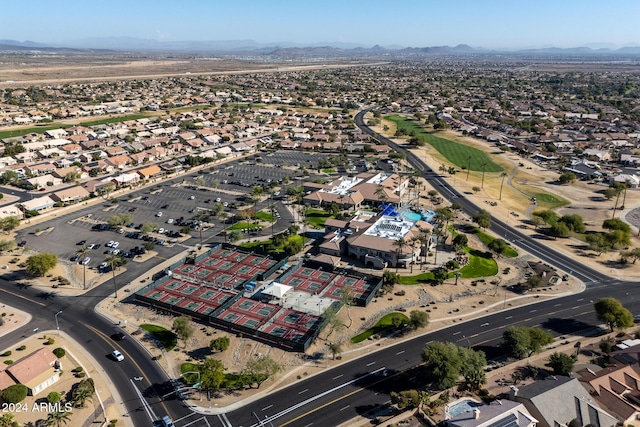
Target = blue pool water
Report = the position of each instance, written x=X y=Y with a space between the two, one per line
x=412 y=216
x=415 y=216
x=461 y=407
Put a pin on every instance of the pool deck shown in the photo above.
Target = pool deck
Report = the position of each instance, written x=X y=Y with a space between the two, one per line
x=448 y=416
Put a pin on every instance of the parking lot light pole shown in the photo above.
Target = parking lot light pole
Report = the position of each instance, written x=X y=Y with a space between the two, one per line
x=57 y=325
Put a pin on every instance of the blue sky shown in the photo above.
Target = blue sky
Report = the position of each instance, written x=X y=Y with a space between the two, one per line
x=479 y=23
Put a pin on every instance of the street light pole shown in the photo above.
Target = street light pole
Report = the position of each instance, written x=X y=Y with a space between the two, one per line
x=57 y=325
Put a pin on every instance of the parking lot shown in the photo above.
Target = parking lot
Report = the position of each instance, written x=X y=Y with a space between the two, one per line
x=165 y=204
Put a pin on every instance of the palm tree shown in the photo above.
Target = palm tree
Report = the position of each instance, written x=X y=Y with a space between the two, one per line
x=6 y=420
x=58 y=418
x=503 y=175
x=81 y=396
x=400 y=244
x=82 y=253
x=114 y=261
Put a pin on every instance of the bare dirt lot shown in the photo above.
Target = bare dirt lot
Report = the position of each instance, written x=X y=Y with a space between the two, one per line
x=21 y=70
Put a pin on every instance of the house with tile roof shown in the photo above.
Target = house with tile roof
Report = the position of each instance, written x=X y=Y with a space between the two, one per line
x=37 y=371
x=617 y=389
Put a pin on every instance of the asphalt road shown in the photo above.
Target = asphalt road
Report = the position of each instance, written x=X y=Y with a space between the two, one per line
x=333 y=396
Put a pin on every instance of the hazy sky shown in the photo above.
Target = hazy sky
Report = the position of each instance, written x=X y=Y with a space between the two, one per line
x=479 y=23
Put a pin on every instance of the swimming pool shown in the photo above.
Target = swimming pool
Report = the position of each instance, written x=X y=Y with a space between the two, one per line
x=412 y=216
x=462 y=406
x=416 y=216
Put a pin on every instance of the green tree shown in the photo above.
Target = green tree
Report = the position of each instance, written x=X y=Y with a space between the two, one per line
x=39 y=264
x=497 y=245
x=632 y=254
x=548 y=216
x=211 y=374
x=119 y=220
x=460 y=242
x=559 y=229
x=54 y=397
x=562 y=364
x=219 y=344
x=235 y=235
x=440 y=275
x=567 y=178
x=574 y=222
x=83 y=392
x=262 y=368
x=14 y=393
x=443 y=362
x=183 y=327
x=407 y=399
x=523 y=341
x=598 y=242
x=482 y=218
x=472 y=368
x=9 y=223
x=6 y=420
x=149 y=227
x=612 y=312
x=7 y=245
x=106 y=189
x=346 y=300
x=418 y=319
x=9 y=177
x=618 y=238
x=616 y=224
x=57 y=419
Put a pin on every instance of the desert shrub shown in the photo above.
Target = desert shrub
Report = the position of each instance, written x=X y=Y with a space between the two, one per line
x=14 y=393
x=59 y=352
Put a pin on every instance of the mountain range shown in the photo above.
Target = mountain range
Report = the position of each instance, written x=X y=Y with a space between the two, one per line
x=287 y=49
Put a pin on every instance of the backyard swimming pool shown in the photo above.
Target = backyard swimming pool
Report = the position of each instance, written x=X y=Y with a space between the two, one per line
x=416 y=216
x=461 y=406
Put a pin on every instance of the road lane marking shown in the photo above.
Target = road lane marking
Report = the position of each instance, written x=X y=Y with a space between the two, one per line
x=457 y=333
x=267 y=407
x=303 y=391
x=318 y=396
x=400 y=352
x=371 y=363
x=346 y=407
x=23 y=297
x=339 y=376
x=508 y=317
x=110 y=342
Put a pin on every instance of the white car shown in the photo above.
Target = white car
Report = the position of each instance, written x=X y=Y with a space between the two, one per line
x=117 y=355
x=218 y=199
x=115 y=244
x=170 y=221
x=91 y=246
x=116 y=251
x=85 y=261
x=192 y=197
x=159 y=214
x=161 y=231
x=225 y=204
x=110 y=244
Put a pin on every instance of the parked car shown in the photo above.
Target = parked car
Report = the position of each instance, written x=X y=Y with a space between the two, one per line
x=159 y=214
x=117 y=355
x=92 y=246
x=170 y=221
x=85 y=261
x=218 y=199
x=115 y=244
x=81 y=242
x=161 y=230
x=75 y=258
x=22 y=244
x=109 y=243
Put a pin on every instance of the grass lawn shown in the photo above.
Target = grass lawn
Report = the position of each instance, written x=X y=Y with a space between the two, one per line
x=264 y=216
x=191 y=378
x=455 y=152
x=549 y=201
x=329 y=170
x=116 y=119
x=481 y=264
x=167 y=338
x=485 y=238
x=317 y=217
x=35 y=129
x=243 y=226
x=268 y=244
x=385 y=323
